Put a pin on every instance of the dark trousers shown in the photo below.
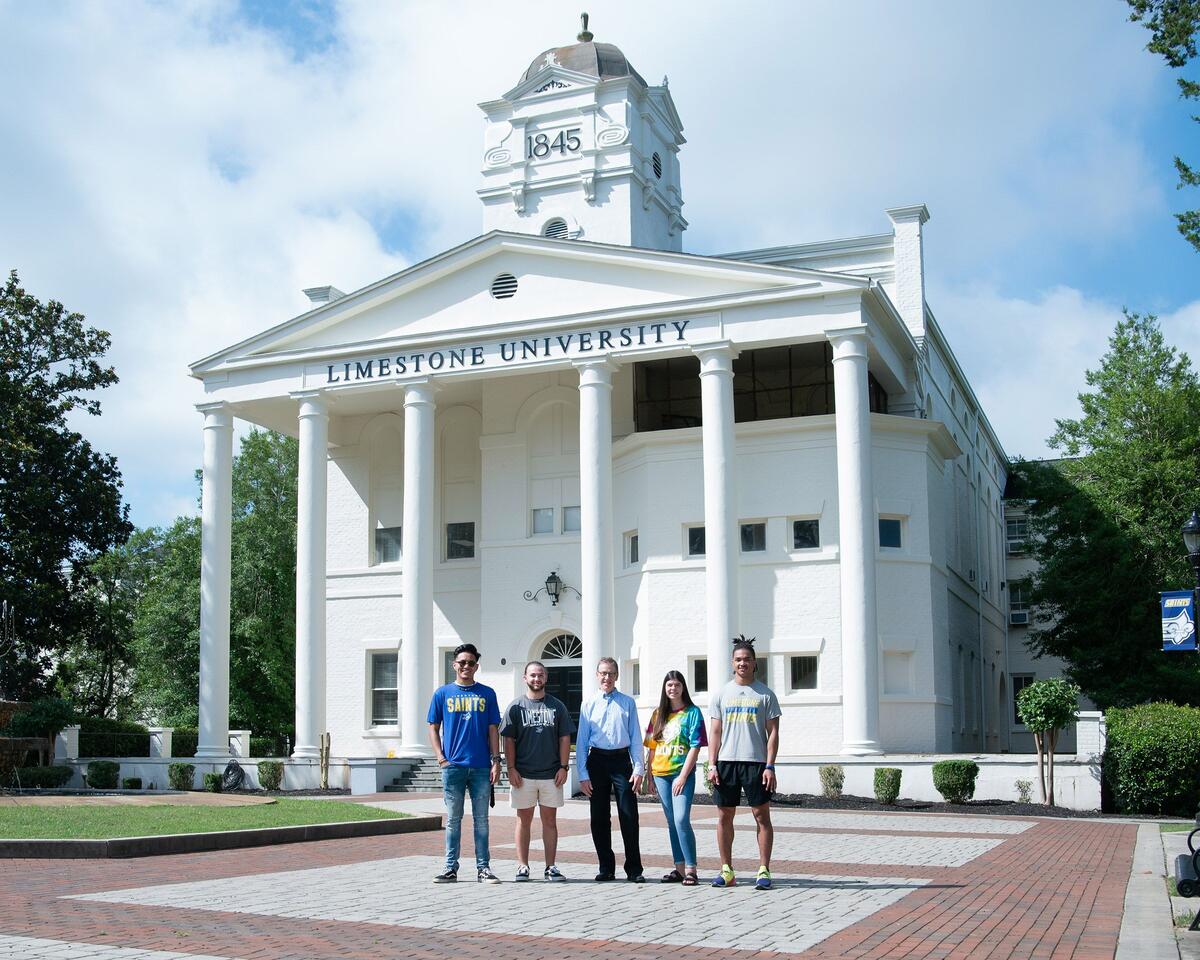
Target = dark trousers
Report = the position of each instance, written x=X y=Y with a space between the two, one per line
x=610 y=771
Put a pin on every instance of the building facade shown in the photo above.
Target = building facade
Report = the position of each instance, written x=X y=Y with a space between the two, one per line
x=567 y=438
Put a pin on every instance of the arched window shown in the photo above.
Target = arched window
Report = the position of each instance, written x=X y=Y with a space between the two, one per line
x=563 y=646
x=556 y=229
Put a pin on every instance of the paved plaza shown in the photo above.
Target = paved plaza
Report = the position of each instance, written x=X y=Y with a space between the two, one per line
x=847 y=885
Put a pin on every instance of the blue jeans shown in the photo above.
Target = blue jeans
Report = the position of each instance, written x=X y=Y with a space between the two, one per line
x=678 y=810
x=456 y=782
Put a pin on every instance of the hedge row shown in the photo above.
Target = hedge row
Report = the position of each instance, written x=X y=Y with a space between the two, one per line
x=102 y=737
x=1152 y=760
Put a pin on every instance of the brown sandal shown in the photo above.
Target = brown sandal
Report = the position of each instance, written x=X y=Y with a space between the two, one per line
x=673 y=877
x=690 y=879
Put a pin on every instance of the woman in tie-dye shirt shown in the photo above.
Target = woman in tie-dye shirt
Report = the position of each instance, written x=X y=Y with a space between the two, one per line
x=675 y=736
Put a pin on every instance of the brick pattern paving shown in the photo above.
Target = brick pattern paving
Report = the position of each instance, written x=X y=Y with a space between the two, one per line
x=1053 y=890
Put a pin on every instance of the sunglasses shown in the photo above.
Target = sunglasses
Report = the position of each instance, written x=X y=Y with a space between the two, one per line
x=466 y=663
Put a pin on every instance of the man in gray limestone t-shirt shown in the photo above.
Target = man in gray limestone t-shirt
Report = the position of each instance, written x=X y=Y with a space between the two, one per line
x=744 y=710
x=536 y=726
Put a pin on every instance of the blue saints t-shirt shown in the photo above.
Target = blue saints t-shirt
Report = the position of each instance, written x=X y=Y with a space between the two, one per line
x=465 y=714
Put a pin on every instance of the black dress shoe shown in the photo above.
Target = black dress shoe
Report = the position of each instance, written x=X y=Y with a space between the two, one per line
x=638 y=879
x=605 y=877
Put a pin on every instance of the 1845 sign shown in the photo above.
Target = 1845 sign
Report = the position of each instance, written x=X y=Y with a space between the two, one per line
x=539 y=146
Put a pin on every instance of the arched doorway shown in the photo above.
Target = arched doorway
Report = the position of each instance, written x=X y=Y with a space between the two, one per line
x=562 y=654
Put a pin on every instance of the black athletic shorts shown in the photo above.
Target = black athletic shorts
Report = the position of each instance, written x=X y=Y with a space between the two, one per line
x=736 y=776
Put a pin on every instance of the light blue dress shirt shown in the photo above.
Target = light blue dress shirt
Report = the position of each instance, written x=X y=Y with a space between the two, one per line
x=609 y=721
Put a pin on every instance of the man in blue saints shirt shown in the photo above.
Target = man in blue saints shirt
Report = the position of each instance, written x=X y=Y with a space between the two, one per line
x=464 y=719
x=608 y=752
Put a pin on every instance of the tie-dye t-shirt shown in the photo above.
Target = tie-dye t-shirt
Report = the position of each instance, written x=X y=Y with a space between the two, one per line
x=683 y=730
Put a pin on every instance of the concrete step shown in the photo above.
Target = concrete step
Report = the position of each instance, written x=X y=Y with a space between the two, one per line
x=425 y=776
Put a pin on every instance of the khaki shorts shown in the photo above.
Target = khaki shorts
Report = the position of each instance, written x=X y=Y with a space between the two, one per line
x=534 y=792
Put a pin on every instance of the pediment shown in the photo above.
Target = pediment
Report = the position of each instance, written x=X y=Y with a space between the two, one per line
x=556 y=280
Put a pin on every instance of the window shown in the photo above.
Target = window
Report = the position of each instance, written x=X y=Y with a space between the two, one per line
x=700 y=675
x=541 y=520
x=556 y=229
x=889 y=533
x=666 y=393
x=806 y=534
x=631 y=549
x=633 y=673
x=1017 y=533
x=1018 y=604
x=754 y=537
x=802 y=672
x=460 y=541
x=760 y=669
x=387 y=544
x=1019 y=682
x=656 y=162
x=385 y=702
x=448 y=665
x=695 y=541
x=571 y=520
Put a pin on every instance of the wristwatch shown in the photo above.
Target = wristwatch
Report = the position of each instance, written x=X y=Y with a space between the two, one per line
x=565 y=766
x=495 y=758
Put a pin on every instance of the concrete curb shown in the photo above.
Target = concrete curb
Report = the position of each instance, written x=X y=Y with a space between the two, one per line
x=220 y=840
x=1147 y=929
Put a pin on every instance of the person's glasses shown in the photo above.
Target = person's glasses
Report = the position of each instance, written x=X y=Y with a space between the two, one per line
x=466 y=663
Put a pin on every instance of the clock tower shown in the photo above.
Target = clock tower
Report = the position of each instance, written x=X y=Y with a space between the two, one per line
x=583 y=148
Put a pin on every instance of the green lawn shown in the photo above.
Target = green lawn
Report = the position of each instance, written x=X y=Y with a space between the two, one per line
x=102 y=823
x=1176 y=827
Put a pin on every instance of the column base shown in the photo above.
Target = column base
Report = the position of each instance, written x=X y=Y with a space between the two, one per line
x=415 y=750
x=861 y=748
x=306 y=752
x=213 y=753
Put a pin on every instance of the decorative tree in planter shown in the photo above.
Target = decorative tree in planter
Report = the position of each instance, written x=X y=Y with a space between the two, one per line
x=1045 y=707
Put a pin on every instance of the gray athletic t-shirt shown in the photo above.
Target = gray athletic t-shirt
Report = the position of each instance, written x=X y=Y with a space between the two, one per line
x=536 y=726
x=744 y=712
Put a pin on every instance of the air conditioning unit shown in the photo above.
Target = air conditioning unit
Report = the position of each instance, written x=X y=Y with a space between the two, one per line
x=1016 y=546
x=1019 y=618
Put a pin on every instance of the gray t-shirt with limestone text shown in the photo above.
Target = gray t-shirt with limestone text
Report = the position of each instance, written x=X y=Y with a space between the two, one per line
x=744 y=712
x=536 y=726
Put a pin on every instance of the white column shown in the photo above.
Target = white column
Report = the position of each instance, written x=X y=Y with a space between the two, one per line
x=720 y=510
x=216 y=523
x=311 y=506
x=856 y=543
x=596 y=513
x=419 y=539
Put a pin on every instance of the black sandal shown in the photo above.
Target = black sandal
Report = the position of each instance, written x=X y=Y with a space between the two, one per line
x=673 y=877
x=690 y=879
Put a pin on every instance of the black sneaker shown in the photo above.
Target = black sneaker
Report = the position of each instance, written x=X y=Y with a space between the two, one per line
x=450 y=876
x=486 y=876
x=638 y=879
x=605 y=877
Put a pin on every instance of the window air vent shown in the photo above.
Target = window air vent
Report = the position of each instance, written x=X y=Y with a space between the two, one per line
x=556 y=229
x=1019 y=618
x=656 y=160
x=504 y=286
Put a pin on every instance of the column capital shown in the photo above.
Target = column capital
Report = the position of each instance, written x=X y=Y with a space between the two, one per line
x=917 y=212
x=420 y=391
x=716 y=357
x=595 y=373
x=216 y=414
x=849 y=341
x=313 y=403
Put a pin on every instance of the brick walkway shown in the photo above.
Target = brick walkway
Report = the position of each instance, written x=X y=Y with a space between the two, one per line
x=847 y=885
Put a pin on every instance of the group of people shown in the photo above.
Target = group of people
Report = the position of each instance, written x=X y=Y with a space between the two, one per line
x=466 y=727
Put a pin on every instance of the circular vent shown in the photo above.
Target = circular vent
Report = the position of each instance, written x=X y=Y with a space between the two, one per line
x=556 y=229
x=657 y=161
x=504 y=286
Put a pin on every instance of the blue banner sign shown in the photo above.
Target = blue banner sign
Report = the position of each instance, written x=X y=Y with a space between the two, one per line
x=1178 y=619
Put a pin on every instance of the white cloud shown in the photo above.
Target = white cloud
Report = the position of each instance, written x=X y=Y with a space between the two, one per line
x=178 y=175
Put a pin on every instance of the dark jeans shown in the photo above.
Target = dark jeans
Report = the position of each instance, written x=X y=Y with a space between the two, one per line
x=610 y=772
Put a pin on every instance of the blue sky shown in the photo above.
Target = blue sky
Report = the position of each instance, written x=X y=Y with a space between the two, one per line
x=180 y=171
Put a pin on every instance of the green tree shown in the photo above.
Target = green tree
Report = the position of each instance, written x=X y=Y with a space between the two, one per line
x=60 y=500
x=1173 y=25
x=262 y=600
x=1045 y=707
x=1105 y=521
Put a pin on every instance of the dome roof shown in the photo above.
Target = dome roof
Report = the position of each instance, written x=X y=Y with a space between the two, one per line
x=602 y=60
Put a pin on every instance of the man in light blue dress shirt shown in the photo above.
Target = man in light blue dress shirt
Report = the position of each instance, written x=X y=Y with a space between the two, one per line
x=608 y=752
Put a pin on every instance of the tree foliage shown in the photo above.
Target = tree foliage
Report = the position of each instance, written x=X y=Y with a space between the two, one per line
x=60 y=500
x=1105 y=521
x=1045 y=707
x=1173 y=25
x=166 y=628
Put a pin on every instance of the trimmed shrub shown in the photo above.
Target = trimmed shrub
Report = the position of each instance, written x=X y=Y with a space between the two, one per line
x=269 y=745
x=1152 y=759
x=102 y=774
x=41 y=778
x=833 y=778
x=955 y=779
x=1024 y=791
x=181 y=776
x=102 y=737
x=212 y=782
x=887 y=784
x=183 y=741
x=131 y=783
x=270 y=774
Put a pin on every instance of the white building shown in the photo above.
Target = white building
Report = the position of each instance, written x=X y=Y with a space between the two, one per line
x=777 y=442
